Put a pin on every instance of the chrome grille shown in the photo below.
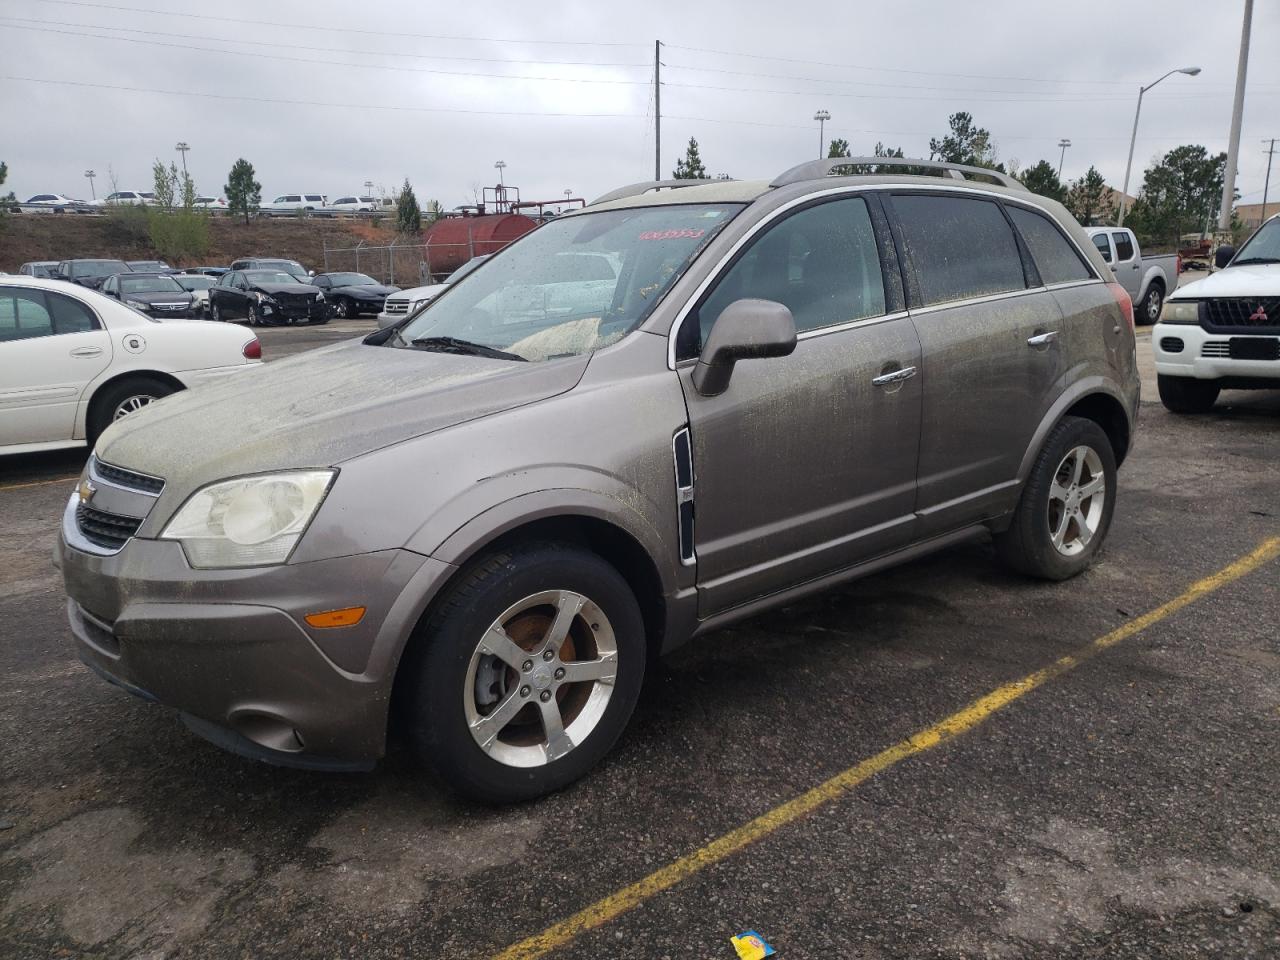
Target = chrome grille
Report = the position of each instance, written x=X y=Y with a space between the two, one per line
x=107 y=530
x=396 y=306
x=1216 y=348
x=126 y=478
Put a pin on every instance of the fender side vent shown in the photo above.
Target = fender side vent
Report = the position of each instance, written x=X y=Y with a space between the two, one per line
x=682 y=452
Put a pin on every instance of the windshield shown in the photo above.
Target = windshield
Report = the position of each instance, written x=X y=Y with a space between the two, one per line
x=288 y=266
x=573 y=285
x=467 y=267
x=194 y=282
x=269 y=276
x=351 y=280
x=1263 y=246
x=149 y=285
x=98 y=268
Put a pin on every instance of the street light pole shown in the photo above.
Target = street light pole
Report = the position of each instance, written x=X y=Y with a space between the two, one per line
x=182 y=148
x=89 y=174
x=1237 y=113
x=822 y=116
x=1266 y=184
x=500 y=166
x=1128 y=167
x=368 y=188
x=1063 y=143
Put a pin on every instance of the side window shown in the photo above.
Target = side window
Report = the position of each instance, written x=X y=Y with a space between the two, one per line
x=69 y=314
x=821 y=262
x=960 y=247
x=1055 y=257
x=1104 y=246
x=1124 y=247
x=23 y=314
x=110 y=286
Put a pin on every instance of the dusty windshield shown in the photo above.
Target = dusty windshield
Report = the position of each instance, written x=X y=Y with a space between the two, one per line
x=570 y=287
x=1262 y=247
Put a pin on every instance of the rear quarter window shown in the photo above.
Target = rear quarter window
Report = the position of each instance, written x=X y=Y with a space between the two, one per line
x=959 y=247
x=1055 y=257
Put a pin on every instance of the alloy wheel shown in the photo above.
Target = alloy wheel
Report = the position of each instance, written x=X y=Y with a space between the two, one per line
x=130 y=405
x=1077 y=497
x=540 y=678
x=1154 y=302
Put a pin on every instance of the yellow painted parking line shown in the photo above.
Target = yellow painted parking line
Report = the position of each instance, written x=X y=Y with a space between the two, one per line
x=962 y=721
x=37 y=483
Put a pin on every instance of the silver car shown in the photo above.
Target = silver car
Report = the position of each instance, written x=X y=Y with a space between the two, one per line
x=479 y=527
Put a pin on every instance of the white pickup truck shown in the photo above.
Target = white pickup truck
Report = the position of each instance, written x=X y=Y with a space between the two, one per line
x=1223 y=332
x=1147 y=279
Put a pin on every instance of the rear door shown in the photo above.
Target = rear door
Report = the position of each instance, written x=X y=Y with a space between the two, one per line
x=806 y=463
x=51 y=347
x=989 y=361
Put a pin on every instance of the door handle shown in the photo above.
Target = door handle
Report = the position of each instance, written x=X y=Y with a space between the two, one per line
x=1042 y=339
x=897 y=376
x=87 y=352
x=1135 y=266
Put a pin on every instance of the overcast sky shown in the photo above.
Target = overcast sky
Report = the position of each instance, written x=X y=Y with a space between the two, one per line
x=438 y=92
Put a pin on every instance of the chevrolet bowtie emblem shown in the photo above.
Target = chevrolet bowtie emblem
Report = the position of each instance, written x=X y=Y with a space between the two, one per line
x=86 y=490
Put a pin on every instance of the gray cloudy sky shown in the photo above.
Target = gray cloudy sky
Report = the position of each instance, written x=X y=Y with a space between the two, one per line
x=467 y=80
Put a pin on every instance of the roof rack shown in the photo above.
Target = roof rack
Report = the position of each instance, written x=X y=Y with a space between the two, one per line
x=817 y=169
x=644 y=186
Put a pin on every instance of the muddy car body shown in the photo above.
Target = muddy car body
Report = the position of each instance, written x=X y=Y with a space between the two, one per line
x=489 y=525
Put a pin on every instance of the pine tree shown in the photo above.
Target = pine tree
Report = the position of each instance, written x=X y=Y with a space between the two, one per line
x=244 y=194
x=690 y=166
x=408 y=213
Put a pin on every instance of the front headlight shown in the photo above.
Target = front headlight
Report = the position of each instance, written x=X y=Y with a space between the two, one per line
x=1180 y=311
x=249 y=522
x=417 y=305
x=320 y=296
x=266 y=298
x=138 y=305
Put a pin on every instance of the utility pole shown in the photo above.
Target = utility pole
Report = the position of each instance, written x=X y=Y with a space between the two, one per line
x=1266 y=184
x=657 y=110
x=1237 y=114
x=182 y=148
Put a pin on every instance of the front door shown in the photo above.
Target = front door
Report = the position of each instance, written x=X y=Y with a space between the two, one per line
x=806 y=464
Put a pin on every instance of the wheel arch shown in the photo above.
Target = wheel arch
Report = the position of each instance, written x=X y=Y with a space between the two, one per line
x=1094 y=399
x=95 y=393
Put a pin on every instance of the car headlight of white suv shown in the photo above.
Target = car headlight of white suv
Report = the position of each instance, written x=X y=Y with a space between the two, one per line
x=1180 y=311
x=250 y=521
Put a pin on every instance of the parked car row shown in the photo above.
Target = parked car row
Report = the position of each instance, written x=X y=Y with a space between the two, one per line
x=285 y=204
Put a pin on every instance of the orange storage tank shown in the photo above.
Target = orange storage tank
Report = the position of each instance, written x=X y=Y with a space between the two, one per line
x=452 y=242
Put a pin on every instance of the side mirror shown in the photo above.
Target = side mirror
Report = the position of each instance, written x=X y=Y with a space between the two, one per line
x=745 y=330
x=311 y=273
x=1224 y=255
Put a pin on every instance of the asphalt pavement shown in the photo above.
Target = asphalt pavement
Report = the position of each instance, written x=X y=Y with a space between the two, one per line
x=1120 y=805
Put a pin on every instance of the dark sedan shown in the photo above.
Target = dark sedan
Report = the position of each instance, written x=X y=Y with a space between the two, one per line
x=266 y=297
x=351 y=294
x=90 y=273
x=155 y=294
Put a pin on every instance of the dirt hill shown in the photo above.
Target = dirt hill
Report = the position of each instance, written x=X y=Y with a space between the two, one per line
x=26 y=237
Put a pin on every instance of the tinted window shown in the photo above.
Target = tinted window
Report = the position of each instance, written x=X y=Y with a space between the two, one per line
x=1055 y=257
x=23 y=314
x=821 y=262
x=69 y=314
x=1104 y=247
x=1124 y=247
x=960 y=247
x=345 y=200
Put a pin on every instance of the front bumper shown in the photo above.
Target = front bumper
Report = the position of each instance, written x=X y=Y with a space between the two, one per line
x=231 y=650
x=284 y=311
x=1191 y=359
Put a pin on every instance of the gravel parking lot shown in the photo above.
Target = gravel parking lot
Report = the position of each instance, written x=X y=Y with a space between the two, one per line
x=1121 y=805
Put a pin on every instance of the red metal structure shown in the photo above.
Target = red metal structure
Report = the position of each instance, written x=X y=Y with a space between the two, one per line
x=453 y=241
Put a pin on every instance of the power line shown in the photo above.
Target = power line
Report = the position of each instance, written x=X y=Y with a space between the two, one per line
x=296 y=25
x=318 y=103
x=331 y=63
x=293 y=46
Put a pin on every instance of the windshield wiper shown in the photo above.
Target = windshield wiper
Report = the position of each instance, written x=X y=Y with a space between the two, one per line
x=454 y=345
x=1256 y=260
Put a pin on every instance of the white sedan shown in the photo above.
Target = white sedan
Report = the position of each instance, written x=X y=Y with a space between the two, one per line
x=72 y=361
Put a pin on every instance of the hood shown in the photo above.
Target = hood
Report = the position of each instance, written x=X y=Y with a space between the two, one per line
x=321 y=408
x=284 y=287
x=366 y=290
x=1250 y=280
x=160 y=296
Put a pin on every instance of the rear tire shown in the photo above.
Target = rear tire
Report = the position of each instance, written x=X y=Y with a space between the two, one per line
x=461 y=684
x=119 y=400
x=1066 y=505
x=1186 y=394
x=1149 y=310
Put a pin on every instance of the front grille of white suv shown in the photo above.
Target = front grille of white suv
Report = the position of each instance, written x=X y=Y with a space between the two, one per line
x=1216 y=348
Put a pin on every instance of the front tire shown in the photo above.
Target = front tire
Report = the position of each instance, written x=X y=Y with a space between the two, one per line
x=342 y=308
x=1186 y=394
x=121 y=399
x=214 y=313
x=1066 y=505
x=526 y=673
x=254 y=319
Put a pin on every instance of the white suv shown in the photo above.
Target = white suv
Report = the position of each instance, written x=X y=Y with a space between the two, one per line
x=293 y=203
x=1223 y=332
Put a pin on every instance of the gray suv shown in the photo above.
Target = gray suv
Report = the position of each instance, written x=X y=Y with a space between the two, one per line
x=477 y=528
